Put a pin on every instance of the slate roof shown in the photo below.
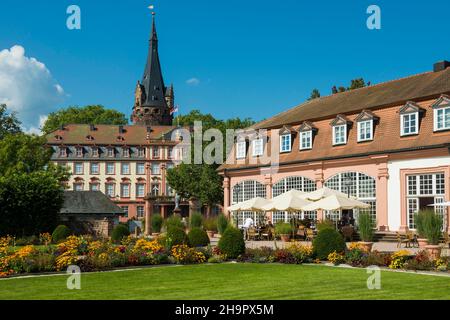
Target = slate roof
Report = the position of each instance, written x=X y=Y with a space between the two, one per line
x=89 y=203
x=385 y=94
x=77 y=134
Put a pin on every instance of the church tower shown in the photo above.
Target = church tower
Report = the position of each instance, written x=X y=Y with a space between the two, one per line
x=153 y=101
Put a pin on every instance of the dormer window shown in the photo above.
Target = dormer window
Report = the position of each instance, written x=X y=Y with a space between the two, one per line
x=90 y=138
x=126 y=153
x=58 y=138
x=241 y=151
x=79 y=152
x=95 y=152
x=286 y=143
x=442 y=113
x=340 y=134
x=366 y=122
x=111 y=152
x=62 y=152
x=286 y=139
x=340 y=126
x=307 y=131
x=141 y=152
x=409 y=119
x=258 y=147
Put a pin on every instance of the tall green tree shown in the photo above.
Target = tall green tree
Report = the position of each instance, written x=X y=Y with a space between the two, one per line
x=314 y=95
x=92 y=114
x=8 y=122
x=201 y=181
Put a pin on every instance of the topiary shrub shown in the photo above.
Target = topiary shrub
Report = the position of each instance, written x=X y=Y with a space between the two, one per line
x=174 y=221
x=61 y=233
x=326 y=242
x=232 y=243
x=198 y=238
x=157 y=222
x=119 y=232
x=176 y=236
x=196 y=220
x=222 y=223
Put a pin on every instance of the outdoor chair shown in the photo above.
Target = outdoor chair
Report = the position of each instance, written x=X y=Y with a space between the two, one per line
x=301 y=233
x=267 y=234
x=402 y=239
x=309 y=235
x=347 y=232
x=252 y=234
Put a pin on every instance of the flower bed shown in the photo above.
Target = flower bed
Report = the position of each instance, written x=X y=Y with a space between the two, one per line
x=92 y=255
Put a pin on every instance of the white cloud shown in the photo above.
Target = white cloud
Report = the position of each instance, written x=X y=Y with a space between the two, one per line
x=193 y=82
x=27 y=87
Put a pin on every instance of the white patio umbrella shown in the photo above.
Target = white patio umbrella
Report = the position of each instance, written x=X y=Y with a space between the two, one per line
x=443 y=204
x=336 y=202
x=289 y=201
x=255 y=204
x=322 y=193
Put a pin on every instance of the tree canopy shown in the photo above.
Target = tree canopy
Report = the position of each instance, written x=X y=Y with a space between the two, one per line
x=314 y=94
x=8 y=122
x=354 y=84
x=201 y=181
x=92 y=114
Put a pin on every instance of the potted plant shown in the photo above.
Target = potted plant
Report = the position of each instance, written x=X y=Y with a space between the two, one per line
x=210 y=225
x=422 y=239
x=283 y=230
x=431 y=225
x=366 y=228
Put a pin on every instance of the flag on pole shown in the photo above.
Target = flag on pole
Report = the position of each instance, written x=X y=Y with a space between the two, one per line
x=174 y=110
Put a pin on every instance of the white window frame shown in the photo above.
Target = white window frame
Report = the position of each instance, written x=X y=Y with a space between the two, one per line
x=140 y=187
x=436 y=125
x=125 y=190
x=309 y=135
x=335 y=143
x=402 y=124
x=113 y=168
x=79 y=165
x=370 y=122
x=140 y=165
x=241 y=151
x=123 y=166
x=283 y=136
x=158 y=171
x=258 y=147
x=110 y=190
x=95 y=165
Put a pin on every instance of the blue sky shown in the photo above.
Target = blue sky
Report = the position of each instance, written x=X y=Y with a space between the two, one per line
x=252 y=58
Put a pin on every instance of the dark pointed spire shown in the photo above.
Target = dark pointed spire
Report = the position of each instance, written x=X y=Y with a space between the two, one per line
x=152 y=81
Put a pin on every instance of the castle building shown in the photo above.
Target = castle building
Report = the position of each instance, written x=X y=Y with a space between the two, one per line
x=387 y=145
x=127 y=163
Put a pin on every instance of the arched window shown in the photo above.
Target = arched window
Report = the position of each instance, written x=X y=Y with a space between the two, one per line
x=247 y=190
x=293 y=183
x=244 y=191
x=290 y=183
x=355 y=184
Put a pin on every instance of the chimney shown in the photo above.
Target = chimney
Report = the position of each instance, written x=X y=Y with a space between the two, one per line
x=441 y=66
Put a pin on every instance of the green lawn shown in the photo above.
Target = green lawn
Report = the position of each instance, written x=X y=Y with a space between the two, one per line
x=231 y=281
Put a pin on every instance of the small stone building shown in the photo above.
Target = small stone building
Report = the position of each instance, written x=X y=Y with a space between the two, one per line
x=90 y=212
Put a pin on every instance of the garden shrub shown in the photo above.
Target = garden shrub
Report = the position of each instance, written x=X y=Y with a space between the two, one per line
x=232 y=243
x=326 y=242
x=421 y=261
x=222 y=223
x=326 y=224
x=26 y=241
x=283 y=228
x=119 y=232
x=176 y=236
x=198 y=238
x=196 y=220
x=174 y=221
x=157 y=222
x=210 y=224
x=61 y=233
